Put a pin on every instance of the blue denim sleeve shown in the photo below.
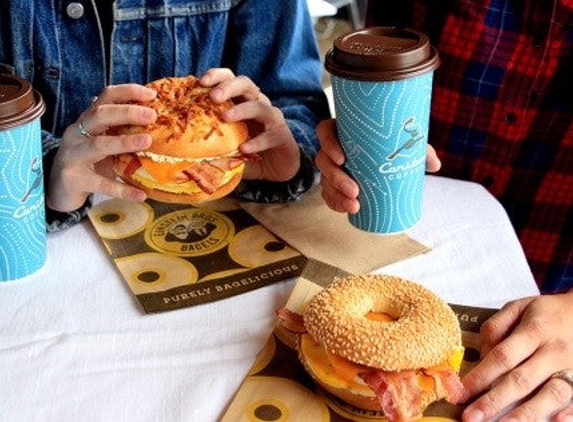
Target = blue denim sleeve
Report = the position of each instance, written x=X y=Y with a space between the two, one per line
x=278 y=50
x=55 y=220
x=276 y=47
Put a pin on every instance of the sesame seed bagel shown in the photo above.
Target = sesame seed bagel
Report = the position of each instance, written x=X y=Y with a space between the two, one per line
x=194 y=156
x=188 y=123
x=424 y=333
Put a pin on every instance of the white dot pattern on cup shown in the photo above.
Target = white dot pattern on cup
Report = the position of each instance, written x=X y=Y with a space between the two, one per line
x=22 y=214
x=383 y=129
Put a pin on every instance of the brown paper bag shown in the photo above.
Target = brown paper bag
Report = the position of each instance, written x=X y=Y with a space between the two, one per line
x=324 y=235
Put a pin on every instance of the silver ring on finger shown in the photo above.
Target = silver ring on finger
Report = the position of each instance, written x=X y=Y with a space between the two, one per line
x=93 y=103
x=82 y=130
x=564 y=375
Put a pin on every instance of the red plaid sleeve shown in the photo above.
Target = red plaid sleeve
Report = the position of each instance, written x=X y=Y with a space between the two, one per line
x=502 y=114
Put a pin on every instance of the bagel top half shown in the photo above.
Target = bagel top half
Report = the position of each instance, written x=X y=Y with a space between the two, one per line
x=194 y=155
x=383 y=322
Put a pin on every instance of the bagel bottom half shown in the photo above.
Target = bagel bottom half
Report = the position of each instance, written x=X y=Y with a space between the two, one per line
x=355 y=392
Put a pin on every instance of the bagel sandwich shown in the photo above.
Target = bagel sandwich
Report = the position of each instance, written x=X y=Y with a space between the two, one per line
x=380 y=343
x=194 y=156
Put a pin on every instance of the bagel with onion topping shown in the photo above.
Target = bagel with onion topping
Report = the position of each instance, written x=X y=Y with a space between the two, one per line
x=194 y=156
x=380 y=343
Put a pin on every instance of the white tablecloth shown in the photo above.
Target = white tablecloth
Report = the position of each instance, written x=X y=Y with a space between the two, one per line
x=74 y=345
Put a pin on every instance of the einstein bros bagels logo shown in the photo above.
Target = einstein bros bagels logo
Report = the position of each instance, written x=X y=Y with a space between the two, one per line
x=191 y=232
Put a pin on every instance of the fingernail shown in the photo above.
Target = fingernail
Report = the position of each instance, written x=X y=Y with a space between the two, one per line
x=474 y=415
x=216 y=93
x=151 y=92
x=142 y=141
x=246 y=148
x=230 y=114
x=138 y=196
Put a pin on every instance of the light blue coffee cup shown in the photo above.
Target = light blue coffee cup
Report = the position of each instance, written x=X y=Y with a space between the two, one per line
x=22 y=213
x=382 y=90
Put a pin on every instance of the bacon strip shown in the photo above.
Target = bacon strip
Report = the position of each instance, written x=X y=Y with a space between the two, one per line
x=254 y=157
x=207 y=177
x=448 y=384
x=398 y=393
x=126 y=164
x=291 y=321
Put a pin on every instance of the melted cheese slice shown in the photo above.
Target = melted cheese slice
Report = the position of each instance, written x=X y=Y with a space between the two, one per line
x=163 y=172
x=323 y=365
x=339 y=372
x=151 y=181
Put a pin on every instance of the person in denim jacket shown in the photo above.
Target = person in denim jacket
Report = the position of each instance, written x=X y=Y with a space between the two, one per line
x=88 y=59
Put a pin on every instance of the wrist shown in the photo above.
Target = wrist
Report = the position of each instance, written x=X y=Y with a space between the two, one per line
x=265 y=191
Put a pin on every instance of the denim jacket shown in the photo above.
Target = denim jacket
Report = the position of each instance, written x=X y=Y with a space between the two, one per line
x=62 y=53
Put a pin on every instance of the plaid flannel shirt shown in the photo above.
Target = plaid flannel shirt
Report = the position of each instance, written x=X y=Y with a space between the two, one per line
x=502 y=112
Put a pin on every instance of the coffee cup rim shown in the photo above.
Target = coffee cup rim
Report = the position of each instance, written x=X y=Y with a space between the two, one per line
x=23 y=106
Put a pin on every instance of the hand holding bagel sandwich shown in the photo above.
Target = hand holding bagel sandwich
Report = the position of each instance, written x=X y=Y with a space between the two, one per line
x=124 y=119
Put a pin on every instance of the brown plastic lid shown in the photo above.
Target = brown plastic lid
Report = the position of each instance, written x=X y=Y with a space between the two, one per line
x=381 y=54
x=19 y=103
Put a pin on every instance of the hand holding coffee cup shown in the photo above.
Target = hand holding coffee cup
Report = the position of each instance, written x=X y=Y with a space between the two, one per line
x=338 y=189
x=382 y=83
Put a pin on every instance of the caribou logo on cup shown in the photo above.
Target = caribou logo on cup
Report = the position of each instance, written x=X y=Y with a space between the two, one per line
x=37 y=177
x=22 y=215
x=382 y=87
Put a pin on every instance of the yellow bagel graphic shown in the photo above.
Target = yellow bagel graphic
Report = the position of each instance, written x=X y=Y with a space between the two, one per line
x=153 y=272
x=265 y=356
x=117 y=219
x=262 y=399
x=285 y=336
x=256 y=246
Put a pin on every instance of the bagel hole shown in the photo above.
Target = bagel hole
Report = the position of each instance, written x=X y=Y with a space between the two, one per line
x=110 y=218
x=379 y=316
x=382 y=310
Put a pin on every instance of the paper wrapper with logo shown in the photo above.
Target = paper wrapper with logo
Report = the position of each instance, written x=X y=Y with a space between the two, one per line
x=174 y=256
x=278 y=388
